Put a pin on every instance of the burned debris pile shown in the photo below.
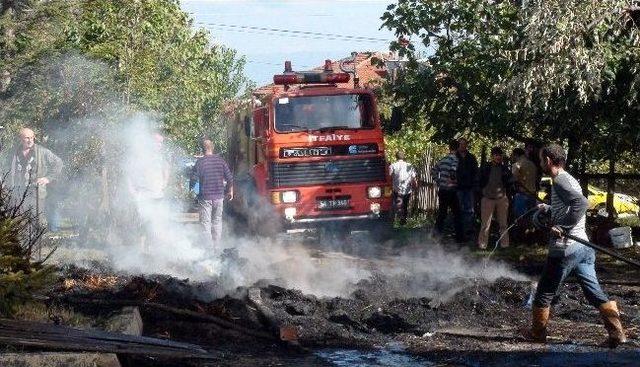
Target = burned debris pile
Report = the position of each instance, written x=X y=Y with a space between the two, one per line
x=460 y=315
x=374 y=313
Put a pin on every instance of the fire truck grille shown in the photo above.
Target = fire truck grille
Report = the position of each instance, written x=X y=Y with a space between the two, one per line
x=331 y=172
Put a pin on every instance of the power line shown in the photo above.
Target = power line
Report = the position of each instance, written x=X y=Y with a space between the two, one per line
x=292 y=33
x=280 y=65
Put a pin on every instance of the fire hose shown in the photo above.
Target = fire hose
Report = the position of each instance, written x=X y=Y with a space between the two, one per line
x=611 y=253
x=583 y=241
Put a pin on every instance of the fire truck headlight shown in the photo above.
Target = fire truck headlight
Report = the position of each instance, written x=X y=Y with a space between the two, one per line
x=374 y=192
x=375 y=208
x=289 y=213
x=289 y=197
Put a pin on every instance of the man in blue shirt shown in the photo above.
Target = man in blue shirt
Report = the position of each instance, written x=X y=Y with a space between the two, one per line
x=212 y=172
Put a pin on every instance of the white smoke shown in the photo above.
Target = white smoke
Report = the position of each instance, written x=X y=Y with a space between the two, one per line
x=179 y=250
x=136 y=226
x=164 y=244
x=141 y=235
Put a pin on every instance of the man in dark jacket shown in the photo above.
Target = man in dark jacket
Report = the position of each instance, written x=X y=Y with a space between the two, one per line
x=496 y=182
x=466 y=175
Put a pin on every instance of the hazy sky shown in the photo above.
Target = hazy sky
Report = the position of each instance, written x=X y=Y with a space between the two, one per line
x=337 y=27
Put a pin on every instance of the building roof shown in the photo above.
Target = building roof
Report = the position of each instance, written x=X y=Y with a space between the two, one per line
x=367 y=73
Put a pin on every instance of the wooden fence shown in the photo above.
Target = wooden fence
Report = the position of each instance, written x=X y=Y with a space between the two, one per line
x=425 y=199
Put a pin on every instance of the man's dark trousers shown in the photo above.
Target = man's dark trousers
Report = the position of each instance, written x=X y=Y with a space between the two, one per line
x=401 y=209
x=448 y=199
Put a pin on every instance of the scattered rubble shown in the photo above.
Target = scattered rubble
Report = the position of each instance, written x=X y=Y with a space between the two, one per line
x=457 y=320
x=471 y=314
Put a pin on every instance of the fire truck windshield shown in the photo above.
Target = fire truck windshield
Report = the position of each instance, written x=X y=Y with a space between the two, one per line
x=310 y=113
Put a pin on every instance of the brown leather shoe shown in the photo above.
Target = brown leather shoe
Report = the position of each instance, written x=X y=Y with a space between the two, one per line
x=611 y=318
x=538 y=331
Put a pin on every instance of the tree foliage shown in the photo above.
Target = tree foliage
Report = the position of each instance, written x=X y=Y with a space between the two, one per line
x=156 y=62
x=551 y=70
x=576 y=71
x=20 y=277
x=453 y=86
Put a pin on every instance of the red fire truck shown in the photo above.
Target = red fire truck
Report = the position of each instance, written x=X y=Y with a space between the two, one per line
x=312 y=153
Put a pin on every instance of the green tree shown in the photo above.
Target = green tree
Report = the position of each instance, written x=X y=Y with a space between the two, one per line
x=576 y=70
x=552 y=70
x=157 y=61
x=453 y=87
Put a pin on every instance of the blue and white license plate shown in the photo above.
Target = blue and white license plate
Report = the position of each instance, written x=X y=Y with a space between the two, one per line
x=331 y=204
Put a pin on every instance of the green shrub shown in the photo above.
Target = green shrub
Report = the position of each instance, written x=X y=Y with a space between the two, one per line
x=21 y=277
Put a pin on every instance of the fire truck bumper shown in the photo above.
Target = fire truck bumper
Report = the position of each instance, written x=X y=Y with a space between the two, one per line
x=335 y=219
x=354 y=221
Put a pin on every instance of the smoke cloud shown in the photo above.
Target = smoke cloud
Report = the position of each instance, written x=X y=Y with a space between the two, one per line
x=130 y=225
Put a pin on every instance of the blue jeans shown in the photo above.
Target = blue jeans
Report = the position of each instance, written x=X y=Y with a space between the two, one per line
x=522 y=203
x=467 y=203
x=582 y=263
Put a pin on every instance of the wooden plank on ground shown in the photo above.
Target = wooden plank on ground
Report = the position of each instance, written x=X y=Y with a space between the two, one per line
x=55 y=337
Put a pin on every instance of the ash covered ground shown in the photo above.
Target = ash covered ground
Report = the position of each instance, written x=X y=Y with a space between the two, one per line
x=413 y=300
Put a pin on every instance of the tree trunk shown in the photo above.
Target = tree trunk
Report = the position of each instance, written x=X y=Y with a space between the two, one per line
x=8 y=9
x=584 y=179
x=483 y=155
x=572 y=154
x=611 y=185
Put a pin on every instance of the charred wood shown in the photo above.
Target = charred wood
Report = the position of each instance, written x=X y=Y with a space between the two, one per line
x=55 y=337
x=224 y=324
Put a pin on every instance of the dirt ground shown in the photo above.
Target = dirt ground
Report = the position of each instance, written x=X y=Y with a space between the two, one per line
x=472 y=323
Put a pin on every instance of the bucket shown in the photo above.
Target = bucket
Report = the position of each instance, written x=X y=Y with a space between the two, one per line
x=621 y=237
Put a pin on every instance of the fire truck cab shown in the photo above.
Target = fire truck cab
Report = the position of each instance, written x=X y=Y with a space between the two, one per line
x=314 y=154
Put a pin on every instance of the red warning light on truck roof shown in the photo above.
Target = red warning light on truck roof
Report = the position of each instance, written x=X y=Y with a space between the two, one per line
x=326 y=76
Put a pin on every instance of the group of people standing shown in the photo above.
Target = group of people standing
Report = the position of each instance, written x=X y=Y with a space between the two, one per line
x=497 y=185
x=458 y=178
x=30 y=170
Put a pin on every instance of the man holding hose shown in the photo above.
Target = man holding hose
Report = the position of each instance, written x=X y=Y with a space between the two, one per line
x=566 y=214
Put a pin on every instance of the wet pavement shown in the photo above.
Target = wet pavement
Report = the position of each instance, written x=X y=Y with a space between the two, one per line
x=556 y=355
